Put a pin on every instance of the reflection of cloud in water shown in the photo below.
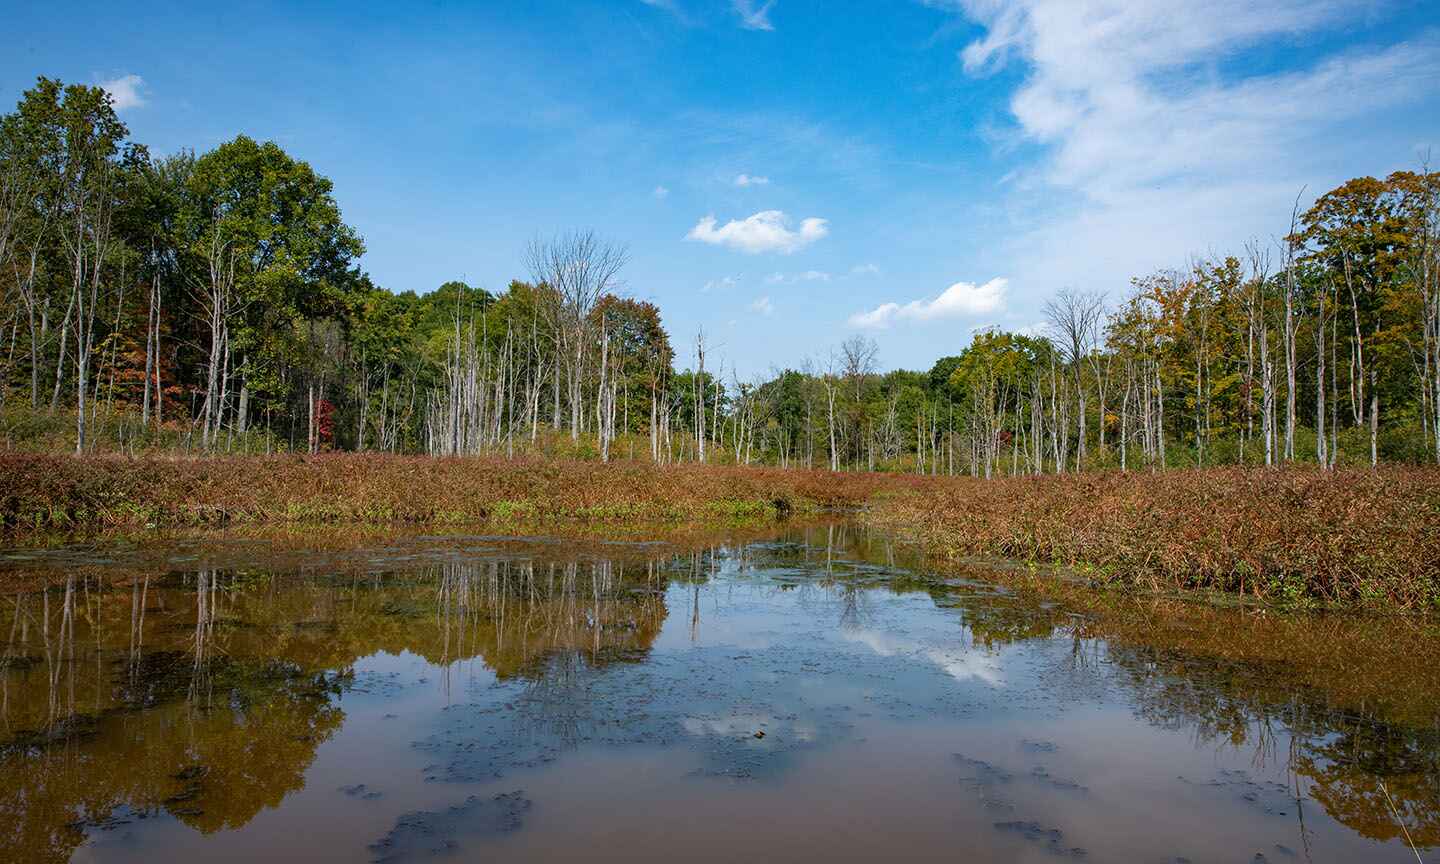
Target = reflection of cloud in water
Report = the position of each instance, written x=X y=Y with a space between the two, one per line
x=737 y=725
x=955 y=661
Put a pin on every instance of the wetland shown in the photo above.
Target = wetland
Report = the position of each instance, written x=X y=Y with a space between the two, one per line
x=814 y=690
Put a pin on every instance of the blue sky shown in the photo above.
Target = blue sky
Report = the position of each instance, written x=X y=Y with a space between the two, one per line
x=787 y=173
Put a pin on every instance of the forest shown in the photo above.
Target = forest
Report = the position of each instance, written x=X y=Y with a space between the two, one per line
x=216 y=303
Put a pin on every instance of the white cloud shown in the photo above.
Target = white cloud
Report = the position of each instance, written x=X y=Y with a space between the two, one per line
x=865 y=270
x=722 y=282
x=766 y=231
x=1148 y=113
x=958 y=301
x=738 y=725
x=743 y=180
x=127 y=91
x=661 y=192
x=762 y=305
x=952 y=659
x=1113 y=91
x=778 y=278
x=754 y=17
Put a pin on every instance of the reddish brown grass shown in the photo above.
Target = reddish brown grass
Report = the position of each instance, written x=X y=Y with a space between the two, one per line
x=1297 y=536
x=59 y=491
x=1369 y=537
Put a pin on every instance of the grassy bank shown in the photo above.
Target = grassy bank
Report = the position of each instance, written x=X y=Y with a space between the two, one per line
x=1294 y=537
x=49 y=492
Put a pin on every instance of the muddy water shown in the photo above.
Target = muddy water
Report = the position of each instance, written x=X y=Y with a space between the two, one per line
x=805 y=696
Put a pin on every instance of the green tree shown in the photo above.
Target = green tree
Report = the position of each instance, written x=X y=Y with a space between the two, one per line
x=268 y=253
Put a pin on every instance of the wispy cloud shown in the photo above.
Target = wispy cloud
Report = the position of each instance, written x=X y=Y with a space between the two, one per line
x=672 y=7
x=126 y=92
x=762 y=305
x=743 y=180
x=778 y=278
x=1144 y=118
x=753 y=17
x=1113 y=90
x=661 y=192
x=766 y=231
x=963 y=299
x=865 y=270
x=722 y=282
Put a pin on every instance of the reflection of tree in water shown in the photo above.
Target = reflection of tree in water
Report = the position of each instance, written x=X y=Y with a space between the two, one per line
x=206 y=589
x=997 y=620
x=211 y=767
x=1343 y=758
x=1340 y=758
x=826 y=578
x=96 y=723
x=1349 y=762
x=205 y=695
x=554 y=626
x=556 y=701
x=518 y=614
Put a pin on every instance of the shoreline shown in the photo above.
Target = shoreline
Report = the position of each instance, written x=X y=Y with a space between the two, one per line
x=1284 y=537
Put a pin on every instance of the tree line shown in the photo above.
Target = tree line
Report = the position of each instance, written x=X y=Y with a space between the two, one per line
x=215 y=303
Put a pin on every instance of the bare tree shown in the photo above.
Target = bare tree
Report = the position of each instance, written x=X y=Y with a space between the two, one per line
x=857 y=356
x=832 y=385
x=1292 y=325
x=1257 y=308
x=216 y=302
x=699 y=388
x=1424 y=271
x=580 y=268
x=88 y=195
x=857 y=362
x=1075 y=316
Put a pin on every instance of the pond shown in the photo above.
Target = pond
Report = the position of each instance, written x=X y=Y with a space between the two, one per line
x=810 y=693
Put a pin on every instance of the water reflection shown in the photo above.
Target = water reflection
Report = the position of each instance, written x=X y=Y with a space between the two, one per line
x=203 y=696
x=1380 y=778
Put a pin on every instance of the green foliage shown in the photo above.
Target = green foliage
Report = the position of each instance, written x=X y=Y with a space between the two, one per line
x=229 y=295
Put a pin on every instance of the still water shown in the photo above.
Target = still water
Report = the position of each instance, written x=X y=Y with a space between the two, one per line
x=809 y=695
